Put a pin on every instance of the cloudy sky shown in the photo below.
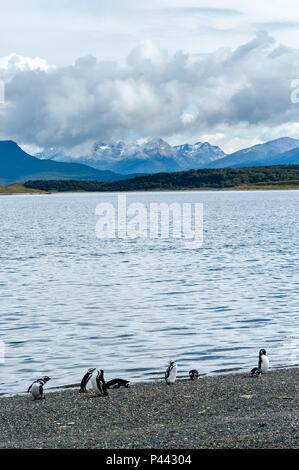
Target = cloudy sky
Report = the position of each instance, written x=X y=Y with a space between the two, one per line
x=78 y=72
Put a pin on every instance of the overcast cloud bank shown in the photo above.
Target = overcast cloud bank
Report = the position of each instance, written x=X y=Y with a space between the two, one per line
x=232 y=97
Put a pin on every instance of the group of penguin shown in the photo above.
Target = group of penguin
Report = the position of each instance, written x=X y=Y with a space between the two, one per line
x=263 y=366
x=94 y=380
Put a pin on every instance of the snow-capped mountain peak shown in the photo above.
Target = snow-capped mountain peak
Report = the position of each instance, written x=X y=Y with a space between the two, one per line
x=154 y=155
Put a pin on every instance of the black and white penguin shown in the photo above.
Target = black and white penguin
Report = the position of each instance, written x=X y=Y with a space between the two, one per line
x=171 y=371
x=86 y=379
x=255 y=372
x=36 y=388
x=97 y=382
x=263 y=361
x=263 y=364
x=193 y=374
x=117 y=383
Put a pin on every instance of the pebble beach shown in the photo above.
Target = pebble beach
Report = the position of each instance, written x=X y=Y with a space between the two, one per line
x=232 y=411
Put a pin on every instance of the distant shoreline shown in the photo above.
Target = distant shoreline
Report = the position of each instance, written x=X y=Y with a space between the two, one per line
x=204 y=179
x=221 y=411
x=21 y=189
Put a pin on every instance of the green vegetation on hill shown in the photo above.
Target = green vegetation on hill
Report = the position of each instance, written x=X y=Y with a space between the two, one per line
x=218 y=178
x=18 y=188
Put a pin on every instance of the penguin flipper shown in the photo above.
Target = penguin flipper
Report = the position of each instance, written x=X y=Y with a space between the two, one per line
x=84 y=382
x=100 y=386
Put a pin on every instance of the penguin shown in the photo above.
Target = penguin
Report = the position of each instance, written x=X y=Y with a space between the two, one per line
x=263 y=364
x=85 y=380
x=36 y=388
x=263 y=361
x=255 y=372
x=97 y=382
x=171 y=371
x=117 y=383
x=193 y=374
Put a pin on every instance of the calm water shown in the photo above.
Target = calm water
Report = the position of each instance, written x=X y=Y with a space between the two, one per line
x=69 y=301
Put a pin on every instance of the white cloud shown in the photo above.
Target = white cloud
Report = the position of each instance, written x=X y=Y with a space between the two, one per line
x=291 y=129
x=147 y=52
x=239 y=95
x=15 y=61
x=230 y=144
x=62 y=30
x=187 y=118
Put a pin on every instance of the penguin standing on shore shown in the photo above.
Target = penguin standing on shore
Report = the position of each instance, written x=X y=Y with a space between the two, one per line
x=97 y=382
x=263 y=364
x=85 y=380
x=263 y=361
x=171 y=371
x=36 y=388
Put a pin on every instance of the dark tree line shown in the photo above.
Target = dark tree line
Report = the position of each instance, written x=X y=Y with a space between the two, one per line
x=217 y=178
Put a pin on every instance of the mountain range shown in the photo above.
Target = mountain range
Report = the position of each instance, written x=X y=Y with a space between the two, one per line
x=157 y=156
x=16 y=165
x=120 y=160
x=276 y=152
x=153 y=156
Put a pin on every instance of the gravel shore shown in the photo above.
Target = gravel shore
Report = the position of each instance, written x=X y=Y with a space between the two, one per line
x=227 y=411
